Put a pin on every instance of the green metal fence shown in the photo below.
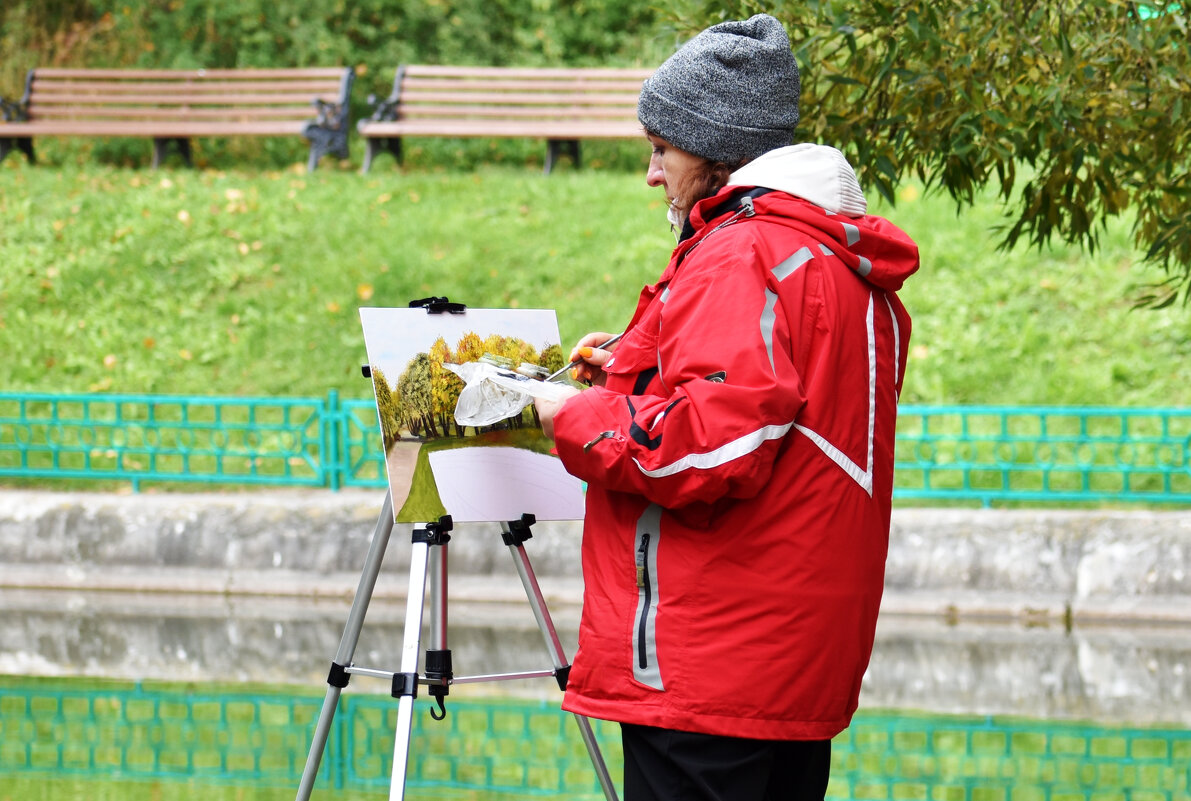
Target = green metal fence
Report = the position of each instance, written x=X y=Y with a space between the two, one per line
x=532 y=749
x=1043 y=453
x=985 y=454
x=303 y=442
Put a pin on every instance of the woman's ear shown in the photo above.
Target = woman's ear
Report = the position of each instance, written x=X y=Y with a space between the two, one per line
x=720 y=173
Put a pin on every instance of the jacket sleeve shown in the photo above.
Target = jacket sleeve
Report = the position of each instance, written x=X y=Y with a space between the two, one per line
x=729 y=392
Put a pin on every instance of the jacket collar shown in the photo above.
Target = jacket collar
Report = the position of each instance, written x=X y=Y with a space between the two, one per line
x=738 y=200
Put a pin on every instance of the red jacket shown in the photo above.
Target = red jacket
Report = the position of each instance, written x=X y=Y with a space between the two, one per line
x=740 y=466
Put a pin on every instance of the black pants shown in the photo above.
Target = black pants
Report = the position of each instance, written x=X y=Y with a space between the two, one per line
x=666 y=765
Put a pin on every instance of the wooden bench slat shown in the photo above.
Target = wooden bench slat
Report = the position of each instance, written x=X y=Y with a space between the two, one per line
x=523 y=98
x=414 y=70
x=454 y=84
x=151 y=128
x=195 y=87
x=145 y=113
x=178 y=99
x=491 y=112
x=533 y=129
x=251 y=73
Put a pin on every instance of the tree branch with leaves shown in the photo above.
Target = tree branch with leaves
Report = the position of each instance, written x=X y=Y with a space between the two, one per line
x=1072 y=110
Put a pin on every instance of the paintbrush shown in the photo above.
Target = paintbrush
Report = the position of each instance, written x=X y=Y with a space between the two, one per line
x=578 y=362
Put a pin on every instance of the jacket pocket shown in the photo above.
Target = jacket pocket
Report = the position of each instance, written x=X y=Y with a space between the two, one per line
x=644 y=636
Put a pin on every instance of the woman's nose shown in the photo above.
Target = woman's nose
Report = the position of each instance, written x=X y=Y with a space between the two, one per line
x=654 y=176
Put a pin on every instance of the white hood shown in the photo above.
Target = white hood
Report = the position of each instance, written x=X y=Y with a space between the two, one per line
x=818 y=173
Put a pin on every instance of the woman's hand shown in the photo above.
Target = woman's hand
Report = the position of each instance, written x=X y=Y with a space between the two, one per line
x=547 y=409
x=593 y=358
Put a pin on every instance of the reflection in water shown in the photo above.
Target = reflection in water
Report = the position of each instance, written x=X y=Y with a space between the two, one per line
x=206 y=736
x=500 y=747
x=249 y=639
x=1139 y=675
x=1122 y=674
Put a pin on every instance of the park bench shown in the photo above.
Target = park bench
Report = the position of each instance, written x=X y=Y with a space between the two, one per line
x=173 y=106
x=562 y=106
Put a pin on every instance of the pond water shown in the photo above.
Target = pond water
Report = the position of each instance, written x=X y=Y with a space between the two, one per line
x=119 y=696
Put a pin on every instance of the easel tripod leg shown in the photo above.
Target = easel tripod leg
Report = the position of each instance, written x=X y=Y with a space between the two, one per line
x=597 y=758
x=514 y=536
x=337 y=680
x=418 y=560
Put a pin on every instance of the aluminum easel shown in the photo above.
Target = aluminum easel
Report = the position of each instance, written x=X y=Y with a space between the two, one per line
x=428 y=564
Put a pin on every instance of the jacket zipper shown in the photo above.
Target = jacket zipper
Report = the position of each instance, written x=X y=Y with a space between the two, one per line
x=647 y=595
x=644 y=632
x=746 y=210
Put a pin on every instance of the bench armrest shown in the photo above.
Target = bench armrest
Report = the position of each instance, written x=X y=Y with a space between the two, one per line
x=13 y=112
x=386 y=110
x=331 y=116
x=383 y=110
x=328 y=132
x=19 y=111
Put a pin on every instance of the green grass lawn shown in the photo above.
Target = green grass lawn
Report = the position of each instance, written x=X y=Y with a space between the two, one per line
x=247 y=282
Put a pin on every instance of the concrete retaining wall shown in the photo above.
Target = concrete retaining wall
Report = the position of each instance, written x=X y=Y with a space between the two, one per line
x=1065 y=614
x=1034 y=564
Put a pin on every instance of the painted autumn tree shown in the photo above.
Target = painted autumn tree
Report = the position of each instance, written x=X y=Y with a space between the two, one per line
x=445 y=386
x=388 y=408
x=1071 y=109
x=469 y=348
x=552 y=358
x=417 y=405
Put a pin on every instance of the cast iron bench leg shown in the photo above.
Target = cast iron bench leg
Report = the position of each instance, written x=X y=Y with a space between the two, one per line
x=377 y=145
x=556 y=147
x=21 y=143
x=324 y=139
x=161 y=147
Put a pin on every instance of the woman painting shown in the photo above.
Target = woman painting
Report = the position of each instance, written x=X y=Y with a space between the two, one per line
x=738 y=443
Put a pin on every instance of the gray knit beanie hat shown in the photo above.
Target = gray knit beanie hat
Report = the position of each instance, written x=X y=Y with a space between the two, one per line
x=729 y=94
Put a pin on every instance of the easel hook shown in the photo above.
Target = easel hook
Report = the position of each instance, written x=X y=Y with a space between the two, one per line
x=438 y=305
x=442 y=709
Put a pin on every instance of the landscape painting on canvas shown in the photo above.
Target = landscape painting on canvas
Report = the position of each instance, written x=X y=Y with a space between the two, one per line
x=438 y=466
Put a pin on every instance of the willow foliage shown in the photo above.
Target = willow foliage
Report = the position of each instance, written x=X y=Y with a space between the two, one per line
x=1073 y=109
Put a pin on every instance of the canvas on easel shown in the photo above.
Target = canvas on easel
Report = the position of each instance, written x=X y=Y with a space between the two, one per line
x=437 y=466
